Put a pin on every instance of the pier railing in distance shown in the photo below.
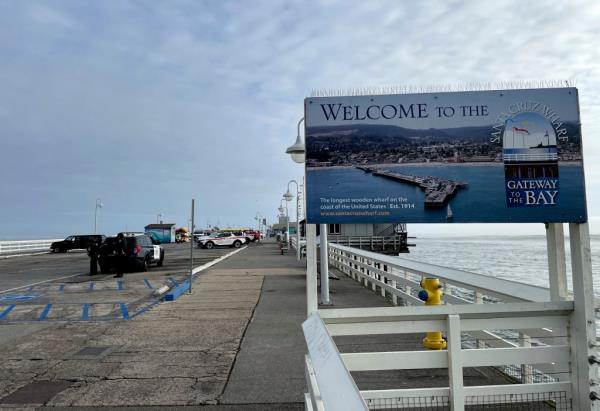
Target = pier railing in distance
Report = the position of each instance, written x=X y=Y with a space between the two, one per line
x=528 y=339
x=25 y=246
x=302 y=245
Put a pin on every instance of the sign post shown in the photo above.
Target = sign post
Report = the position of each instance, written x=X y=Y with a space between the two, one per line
x=192 y=246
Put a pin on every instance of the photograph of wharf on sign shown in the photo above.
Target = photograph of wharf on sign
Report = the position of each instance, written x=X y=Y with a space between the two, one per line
x=438 y=191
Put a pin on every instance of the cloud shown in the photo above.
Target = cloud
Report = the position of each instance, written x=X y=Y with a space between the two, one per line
x=147 y=104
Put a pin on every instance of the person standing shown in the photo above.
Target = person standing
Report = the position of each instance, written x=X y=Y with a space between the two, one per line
x=121 y=250
x=94 y=259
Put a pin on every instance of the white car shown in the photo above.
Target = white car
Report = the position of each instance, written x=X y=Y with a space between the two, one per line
x=221 y=239
x=201 y=236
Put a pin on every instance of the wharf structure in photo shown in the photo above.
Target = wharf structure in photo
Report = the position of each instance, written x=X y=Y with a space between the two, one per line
x=438 y=191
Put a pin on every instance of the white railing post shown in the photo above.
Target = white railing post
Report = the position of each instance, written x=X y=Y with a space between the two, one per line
x=526 y=370
x=383 y=280
x=408 y=288
x=455 y=371
x=478 y=299
x=583 y=325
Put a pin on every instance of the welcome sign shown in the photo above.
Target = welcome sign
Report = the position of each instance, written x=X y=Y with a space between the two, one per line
x=477 y=156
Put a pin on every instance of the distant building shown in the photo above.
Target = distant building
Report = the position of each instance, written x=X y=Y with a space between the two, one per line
x=165 y=233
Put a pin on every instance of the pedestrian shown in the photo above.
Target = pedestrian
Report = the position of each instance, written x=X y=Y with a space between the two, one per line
x=93 y=259
x=120 y=250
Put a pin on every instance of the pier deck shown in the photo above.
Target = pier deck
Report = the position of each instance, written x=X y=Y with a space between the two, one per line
x=234 y=344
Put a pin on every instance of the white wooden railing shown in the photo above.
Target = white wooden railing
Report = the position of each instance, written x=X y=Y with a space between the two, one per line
x=518 y=331
x=25 y=246
x=302 y=245
x=454 y=320
x=399 y=280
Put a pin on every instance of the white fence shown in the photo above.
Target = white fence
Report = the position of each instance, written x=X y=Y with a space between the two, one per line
x=454 y=320
x=302 y=244
x=25 y=246
x=399 y=278
x=540 y=343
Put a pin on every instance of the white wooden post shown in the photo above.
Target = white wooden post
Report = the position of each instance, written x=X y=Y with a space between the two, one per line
x=383 y=279
x=455 y=371
x=407 y=287
x=479 y=300
x=557 y=268
x=373 y=275
x=311 y=269
x=583 y=325
x=526 y=370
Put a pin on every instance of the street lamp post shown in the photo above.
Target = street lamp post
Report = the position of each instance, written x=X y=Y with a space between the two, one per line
x=287 y=220
x=98 y=205
x=288 y=197
x=281 y=211
x=259 y=219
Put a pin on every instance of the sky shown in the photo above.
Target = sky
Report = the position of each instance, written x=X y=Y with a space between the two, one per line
x=147 y=104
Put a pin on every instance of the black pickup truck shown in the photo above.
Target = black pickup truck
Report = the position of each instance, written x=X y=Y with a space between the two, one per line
x=141 y=251
x=74 y=242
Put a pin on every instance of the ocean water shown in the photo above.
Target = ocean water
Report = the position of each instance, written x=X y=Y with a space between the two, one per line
x=517 y=258
x=483 y=200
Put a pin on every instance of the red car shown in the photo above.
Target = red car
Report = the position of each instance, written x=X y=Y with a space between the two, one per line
x=252 y=235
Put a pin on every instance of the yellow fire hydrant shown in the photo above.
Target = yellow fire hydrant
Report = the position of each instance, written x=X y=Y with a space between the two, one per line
x=432 y=295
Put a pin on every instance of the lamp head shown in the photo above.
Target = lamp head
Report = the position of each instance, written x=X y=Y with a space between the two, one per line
x=288 y=196
x=297 y=151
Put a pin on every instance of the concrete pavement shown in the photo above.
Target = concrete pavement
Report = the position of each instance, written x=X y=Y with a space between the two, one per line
x=234 y=344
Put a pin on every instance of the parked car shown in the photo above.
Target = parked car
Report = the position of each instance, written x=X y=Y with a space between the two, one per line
x=252 y=235
x=75 y=242
x=222 y=239
x=198 y=235
x=142 y=251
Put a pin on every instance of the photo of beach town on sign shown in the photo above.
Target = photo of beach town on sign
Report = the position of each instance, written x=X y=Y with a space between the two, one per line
x=518 y=157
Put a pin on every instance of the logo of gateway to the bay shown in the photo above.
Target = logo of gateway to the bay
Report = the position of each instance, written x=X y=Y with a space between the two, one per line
x=530 y=155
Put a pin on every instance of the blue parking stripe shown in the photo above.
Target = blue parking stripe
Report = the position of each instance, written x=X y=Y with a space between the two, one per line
x=45 y=313
x=5 y=313
x=61 y=288
x=119 y=285
x=124 y=311
x=91 y=288
x=30 y=288
x=174 y=281
x=148 y=283
x=85 y=313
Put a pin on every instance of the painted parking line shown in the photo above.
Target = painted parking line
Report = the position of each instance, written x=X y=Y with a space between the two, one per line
x=85 y=312
x=91 y=287
x=30 y=288
x=61 y=288
x=174 y=281
x=124 y=311
x=148 y=284
x=45 y=312
x=120 y=285
x=7 y=311
x=39 y=282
